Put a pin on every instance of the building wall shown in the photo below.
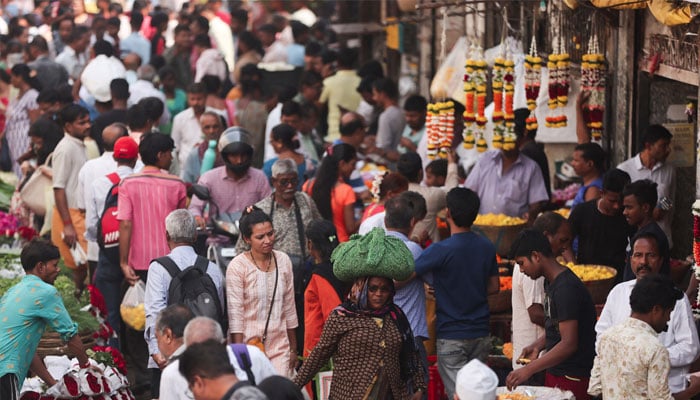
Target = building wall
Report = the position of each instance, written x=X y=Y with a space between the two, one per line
x=662 y=94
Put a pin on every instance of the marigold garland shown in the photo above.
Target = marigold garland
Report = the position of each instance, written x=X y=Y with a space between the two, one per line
x=440 y=128
x=533 y=78
x=475 y=99
x=696 y=253
x=593 y=71
x=558 y=88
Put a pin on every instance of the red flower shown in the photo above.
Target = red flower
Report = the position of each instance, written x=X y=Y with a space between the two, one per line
x=30 y=396
x=97 y=300
x=27 y=233
x=71 y=385
x=93 y=383
x=105 y=385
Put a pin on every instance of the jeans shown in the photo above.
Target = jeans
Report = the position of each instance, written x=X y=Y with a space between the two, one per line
x=108 y=280
x=454 y=354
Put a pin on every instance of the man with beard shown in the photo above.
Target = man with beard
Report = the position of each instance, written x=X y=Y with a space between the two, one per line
x=236 y=185
x=615 y=374
x=681 y=338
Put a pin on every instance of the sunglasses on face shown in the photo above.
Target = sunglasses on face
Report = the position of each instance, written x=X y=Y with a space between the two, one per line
x=287 y=182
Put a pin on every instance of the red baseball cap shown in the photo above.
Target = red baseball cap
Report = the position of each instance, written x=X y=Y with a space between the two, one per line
x=126 y=148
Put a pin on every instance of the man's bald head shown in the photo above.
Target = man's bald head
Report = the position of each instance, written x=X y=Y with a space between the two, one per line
x=132 y=61
x=111 y=133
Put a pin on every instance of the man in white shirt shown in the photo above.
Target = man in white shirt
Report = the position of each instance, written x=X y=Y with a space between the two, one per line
x=650 y=163
x=528 y=294
x=681 y=338
x=92 y=170
x=187 y=131
x=73 y=57
x=108 y=276
x=275 y=50
x=174 y=386
x=144 y=87
x=170 y=335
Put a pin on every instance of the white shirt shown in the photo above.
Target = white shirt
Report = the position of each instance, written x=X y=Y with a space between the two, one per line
x=375 y=221
x=95 y=201
x=187 y=133
x=526 y=292
x=72 y=62
x=221 y=33
x=89 y=175
x=681 y=339
x=277 y=52
x=173 y=386
x=665 y=177
x=142 y=89
x=273 y=119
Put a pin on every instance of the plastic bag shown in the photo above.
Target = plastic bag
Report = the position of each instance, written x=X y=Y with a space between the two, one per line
x=132 y=308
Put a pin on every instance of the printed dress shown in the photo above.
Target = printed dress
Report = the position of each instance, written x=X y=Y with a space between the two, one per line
x=17 y=126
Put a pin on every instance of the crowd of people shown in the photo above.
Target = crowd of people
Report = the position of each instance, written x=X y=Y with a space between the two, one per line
x=153 y=124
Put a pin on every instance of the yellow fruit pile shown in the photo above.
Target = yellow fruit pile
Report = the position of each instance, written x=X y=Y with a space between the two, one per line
x=497 y=220
x=590 y=272
x=515 y=396
x=135 y=317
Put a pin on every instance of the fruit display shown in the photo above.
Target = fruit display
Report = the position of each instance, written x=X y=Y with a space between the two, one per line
x=497 y=220
x=506 y=282
x=588 y=273
x=514 y=396
x=135 y=317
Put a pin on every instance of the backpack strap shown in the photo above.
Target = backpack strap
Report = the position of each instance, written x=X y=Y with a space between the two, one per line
x=201 y=264
x=114 y=178
x=240 y=350
x=169 y=265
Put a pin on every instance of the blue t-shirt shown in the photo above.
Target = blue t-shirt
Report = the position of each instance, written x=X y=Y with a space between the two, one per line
x=462 y=266
x=581 y=194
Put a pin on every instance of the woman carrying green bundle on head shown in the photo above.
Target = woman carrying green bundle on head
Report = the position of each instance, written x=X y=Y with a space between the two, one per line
x=369 y=338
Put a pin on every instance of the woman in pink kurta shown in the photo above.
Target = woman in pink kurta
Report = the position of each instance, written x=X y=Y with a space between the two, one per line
x=250 y=284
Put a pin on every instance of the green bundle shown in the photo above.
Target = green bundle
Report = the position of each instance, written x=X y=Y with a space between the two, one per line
x=374 y=254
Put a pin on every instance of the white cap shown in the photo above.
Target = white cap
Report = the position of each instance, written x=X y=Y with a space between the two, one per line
x=476 y=381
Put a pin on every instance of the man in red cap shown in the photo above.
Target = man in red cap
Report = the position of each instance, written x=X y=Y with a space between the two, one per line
x=108 y=276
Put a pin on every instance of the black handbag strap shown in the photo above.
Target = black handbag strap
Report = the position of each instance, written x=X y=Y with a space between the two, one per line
x=274 y=292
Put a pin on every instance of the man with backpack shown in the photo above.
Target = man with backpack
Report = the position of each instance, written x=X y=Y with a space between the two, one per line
x=100 y=215
x=180 y=277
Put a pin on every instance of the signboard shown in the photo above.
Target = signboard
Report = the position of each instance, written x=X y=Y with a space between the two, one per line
x=682 y=144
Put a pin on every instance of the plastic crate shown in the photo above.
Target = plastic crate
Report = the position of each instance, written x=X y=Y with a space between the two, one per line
x=436 y=390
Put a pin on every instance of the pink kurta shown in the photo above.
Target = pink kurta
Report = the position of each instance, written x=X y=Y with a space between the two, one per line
x=249 y=292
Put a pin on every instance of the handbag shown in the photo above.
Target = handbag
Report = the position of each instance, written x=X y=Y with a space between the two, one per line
x=33 y=192
x=257 y=341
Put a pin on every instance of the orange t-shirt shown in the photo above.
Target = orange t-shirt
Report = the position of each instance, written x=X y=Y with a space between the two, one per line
x=342 y=195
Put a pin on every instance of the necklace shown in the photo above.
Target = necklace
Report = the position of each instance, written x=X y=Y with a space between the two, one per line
x=269 y=262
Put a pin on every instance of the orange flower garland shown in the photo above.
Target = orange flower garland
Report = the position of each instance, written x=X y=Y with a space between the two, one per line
x=533 y=71
x=593 y=82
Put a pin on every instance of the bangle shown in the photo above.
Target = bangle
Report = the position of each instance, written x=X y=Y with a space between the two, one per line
x=292 y=352
x=67 y=222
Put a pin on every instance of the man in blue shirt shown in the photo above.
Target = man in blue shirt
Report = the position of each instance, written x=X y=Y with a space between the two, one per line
x=464 y=273
x=401 y=215
x=25 y=311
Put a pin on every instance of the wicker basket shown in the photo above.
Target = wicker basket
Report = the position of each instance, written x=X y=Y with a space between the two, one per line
x=500 y=302
x=52 y=345
x=599 y=289
x=501 y=236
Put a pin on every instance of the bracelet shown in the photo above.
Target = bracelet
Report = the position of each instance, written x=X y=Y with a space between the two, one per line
x=67 y=222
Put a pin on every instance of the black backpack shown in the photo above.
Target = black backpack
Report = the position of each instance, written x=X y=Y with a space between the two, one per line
x=194 y=288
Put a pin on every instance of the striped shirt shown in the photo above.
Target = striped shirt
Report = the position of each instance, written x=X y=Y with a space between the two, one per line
x=146 y=199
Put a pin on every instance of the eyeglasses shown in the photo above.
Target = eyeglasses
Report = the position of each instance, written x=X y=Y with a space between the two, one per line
x=287 y=182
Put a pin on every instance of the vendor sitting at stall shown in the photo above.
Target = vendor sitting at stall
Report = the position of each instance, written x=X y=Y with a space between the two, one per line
x=25 y=311
x=509 y=182
x=680 y=337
